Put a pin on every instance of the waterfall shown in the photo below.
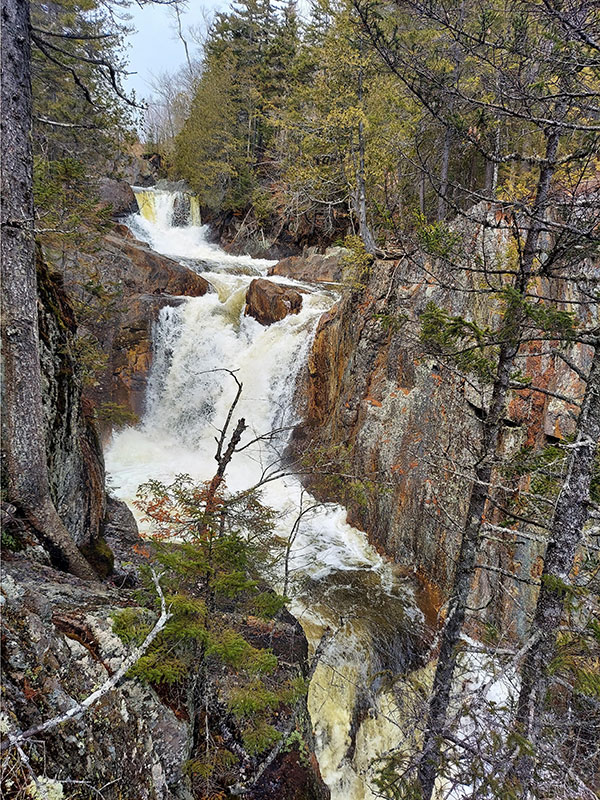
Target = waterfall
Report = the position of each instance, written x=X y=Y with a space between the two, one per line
x=339 y=580
x=168 y=209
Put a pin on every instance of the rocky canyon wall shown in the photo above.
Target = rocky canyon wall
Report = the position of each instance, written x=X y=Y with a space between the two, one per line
x=379 y=408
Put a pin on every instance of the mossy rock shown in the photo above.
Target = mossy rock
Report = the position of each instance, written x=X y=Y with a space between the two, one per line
x=100 y=556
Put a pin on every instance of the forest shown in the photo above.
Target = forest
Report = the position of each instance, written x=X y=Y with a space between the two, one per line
x=300 y=490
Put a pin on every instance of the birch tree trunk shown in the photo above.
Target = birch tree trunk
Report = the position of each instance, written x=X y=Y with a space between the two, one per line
x=570 y=516
x=23 y=439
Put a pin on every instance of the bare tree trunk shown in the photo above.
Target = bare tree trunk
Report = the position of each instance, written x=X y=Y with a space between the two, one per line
x=363 y=226
x=361 y=191
x=444 y=168
x=422 y=192
x=491 y=167
x=24 y=456
x=570 y=516
x=492 y=427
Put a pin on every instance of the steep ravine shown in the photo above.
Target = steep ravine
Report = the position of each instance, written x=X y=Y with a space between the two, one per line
x=58 y=643
x=338 y=582
x=407 y=424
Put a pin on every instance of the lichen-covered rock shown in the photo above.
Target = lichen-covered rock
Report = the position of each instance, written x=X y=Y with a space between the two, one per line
x=270 y=302
x=408 y=426
x=58 y=646
x=135 y=743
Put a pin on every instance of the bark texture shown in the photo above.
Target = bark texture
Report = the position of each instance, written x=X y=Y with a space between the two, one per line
x=24 y=457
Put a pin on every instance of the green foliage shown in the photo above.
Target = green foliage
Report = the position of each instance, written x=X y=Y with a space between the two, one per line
x=392 y=322
x=10 y=542
x=260 y=737
x=251 y=699
x=545 y=317
x=296 y=740
x=244 y=74
x=91 y=361
x=464 y=342
x=67 y=205
x=436 y=238
x=357 y=264
x=131 y=625
x=268 y=604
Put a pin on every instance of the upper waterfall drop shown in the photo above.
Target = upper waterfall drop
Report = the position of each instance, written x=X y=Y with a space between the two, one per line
x=169 y=221
x=338 y=580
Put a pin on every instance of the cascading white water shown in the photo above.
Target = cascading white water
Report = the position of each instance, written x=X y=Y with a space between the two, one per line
x=340 y=582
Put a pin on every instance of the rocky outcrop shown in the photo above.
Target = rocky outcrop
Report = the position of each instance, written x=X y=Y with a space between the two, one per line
x=313 y=266
x=118 y=196
x=270 y=302
x=58 y=647
x=132 y=283
x=397 y=419
x=137 y=269
x=138 y=741
x=278 y=234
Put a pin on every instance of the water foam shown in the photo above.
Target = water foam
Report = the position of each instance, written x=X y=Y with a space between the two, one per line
x=189 y=395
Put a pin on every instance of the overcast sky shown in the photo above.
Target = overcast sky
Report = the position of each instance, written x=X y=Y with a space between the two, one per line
x=155 y=48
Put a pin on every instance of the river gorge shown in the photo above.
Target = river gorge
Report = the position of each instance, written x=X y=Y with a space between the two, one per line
x=339 y=583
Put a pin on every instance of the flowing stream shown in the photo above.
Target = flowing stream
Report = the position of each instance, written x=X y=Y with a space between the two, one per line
x=338 y=580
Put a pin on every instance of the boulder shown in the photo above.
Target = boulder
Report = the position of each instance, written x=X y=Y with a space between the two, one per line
x=119 y=196
x=270 y=302
x=312 y=266
x=142 y=270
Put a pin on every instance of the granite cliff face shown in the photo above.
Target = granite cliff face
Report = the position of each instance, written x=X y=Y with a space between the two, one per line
x=407 y=424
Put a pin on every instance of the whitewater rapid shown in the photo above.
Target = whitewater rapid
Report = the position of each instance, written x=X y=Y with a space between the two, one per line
x=338 y=580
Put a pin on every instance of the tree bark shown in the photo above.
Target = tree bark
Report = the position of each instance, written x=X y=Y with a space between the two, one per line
x=24 y=452
x=570 y=516
x=363 y=226
x=444 y=170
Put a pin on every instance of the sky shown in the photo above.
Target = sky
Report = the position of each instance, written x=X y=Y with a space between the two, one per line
x=155 y=48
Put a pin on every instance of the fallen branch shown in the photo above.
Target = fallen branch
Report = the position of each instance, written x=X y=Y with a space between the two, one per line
x=14 y=740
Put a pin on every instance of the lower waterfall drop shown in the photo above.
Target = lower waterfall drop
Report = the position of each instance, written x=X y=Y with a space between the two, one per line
x=340 y=583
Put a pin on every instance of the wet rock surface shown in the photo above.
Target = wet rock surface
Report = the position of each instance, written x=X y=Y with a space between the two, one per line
x=313 y=266
x=270 y=302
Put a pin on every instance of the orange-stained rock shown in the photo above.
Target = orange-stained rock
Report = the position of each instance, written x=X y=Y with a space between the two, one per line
x=141 y=282
x=312 y=266
x=270 y=302
x=378 y=407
